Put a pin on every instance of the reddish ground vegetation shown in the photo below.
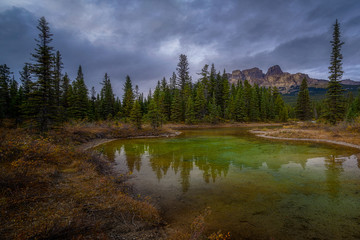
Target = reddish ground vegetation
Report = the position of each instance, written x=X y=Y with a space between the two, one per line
x=50 y=190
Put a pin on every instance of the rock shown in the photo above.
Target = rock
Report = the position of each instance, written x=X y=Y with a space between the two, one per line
x=274 y=70
x=254 y=75
x=275 y=77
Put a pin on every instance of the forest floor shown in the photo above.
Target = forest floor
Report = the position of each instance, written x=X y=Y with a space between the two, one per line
x=342 y=134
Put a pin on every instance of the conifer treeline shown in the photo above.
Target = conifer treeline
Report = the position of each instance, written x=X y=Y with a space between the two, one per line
x=47 y=97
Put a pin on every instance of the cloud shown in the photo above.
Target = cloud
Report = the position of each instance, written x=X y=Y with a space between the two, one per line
x=144 y=38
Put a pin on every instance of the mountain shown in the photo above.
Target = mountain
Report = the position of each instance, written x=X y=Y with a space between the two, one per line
x=287 y=83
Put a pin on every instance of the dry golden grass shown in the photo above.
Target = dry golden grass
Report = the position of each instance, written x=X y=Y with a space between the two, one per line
x=78 y=132
x=196 y=230
x=343 y=132
x=49 y=190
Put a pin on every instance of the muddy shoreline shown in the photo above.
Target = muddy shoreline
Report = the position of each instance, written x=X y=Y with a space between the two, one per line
x=263 y=135
x=97 y=142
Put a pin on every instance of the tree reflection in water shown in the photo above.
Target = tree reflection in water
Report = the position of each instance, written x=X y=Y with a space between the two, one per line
x=334 y=167
x=213 y=156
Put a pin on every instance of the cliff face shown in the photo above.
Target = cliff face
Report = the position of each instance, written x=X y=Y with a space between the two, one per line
x=275 y=77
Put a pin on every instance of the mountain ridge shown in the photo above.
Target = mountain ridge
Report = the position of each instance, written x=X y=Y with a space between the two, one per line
x=284 y=81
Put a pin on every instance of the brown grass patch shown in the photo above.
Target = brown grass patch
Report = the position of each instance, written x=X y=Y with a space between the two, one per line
x=344 y=132
x=49 y=190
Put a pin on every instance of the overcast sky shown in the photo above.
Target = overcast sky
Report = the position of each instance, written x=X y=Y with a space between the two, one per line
x=143 y=39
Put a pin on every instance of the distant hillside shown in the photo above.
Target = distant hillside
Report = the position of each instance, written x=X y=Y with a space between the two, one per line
x=287 y=83
x=318 y=94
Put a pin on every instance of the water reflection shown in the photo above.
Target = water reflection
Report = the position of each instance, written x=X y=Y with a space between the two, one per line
x=213 y=158
x=334 y=167
x=287 y=191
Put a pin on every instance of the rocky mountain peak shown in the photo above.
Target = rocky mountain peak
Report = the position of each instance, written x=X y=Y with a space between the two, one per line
x=275 y=77
x=274 y=70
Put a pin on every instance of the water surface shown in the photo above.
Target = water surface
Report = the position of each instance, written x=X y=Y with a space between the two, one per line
x=256 y=188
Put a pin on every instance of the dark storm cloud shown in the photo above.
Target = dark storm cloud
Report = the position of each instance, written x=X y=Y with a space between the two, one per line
x=144 y=38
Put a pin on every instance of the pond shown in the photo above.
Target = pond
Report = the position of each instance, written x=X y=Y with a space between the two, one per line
x=255 y=188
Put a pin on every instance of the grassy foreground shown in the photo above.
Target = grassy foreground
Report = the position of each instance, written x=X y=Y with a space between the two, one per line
x=52 y=187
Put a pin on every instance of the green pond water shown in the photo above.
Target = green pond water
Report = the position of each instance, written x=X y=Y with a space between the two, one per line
x=256 y=188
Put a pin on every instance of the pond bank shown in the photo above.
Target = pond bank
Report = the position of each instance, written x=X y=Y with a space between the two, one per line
x=263 y=135
x=312 y=132
x=168 y=130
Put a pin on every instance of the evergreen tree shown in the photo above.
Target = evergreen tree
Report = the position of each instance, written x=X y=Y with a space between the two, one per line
x=219 y=91
x=4 y=91
x=154 y=115
x=303 y=105
x=247 y=99
x=173 y=83
x=107 y=99
x=189 y=112
x=93 y=115
x=354 y=109
x=214 y=111
x=128 y=97
x=263 y=106
x=79 y=105
x=334 y=97
x=284 y=114
x=26 y=83
x=117 y=106
x=58 y=66
x=65 y=98
x=176 y=108
x=230 y=110
x=205 y=80
x=225 y=92
x=254 y=114
x=27 y=87
x=165 y=100
x=240 y=109
x=212 y=82
x=279 y=108
x=135 y=115
x=200 y=102
x=183 y=72
x=13 y=90
x=42 y=102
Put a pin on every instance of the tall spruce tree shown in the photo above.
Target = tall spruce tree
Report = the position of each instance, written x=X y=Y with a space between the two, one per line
x=93 y=115
x=26 y=83
x=4 y=91
x=183 y=72
x=225 y=92
x=212 y=82
x=334 y=97
x=28 y=90
x=128 y=97
x=58 y=66
x=189 y=111
x=303 y=104
x=154 y=114
x=135 y=115
x=176 y=108
x=240 y=109
x=16 y=97
x=80 y=99
x=42 y=102
x=200 y=102
x=65 y=97
x=107 y=99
